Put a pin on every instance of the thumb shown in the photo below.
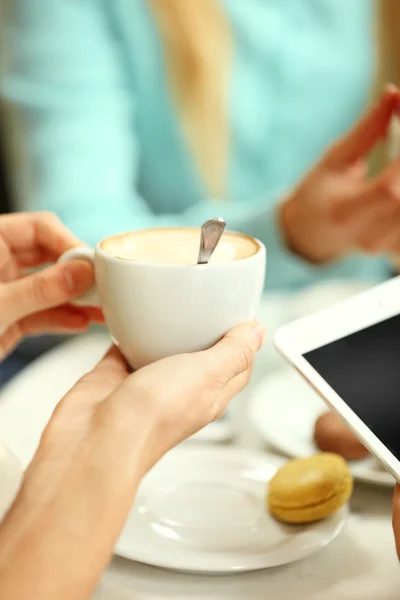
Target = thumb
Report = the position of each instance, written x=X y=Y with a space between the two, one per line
x=360 y=140
x=50 y=287
x=235 y=353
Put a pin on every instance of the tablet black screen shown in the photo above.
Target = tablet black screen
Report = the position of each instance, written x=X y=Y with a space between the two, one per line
x=364 y=370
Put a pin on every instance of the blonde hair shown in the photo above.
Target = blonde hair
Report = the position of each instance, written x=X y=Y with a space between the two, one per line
x=198 y=44
x=198 y=47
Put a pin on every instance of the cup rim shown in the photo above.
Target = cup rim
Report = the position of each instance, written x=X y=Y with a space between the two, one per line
x=261 y=249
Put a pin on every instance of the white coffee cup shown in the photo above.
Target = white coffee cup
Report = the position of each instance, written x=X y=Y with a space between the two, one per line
x=155 y=310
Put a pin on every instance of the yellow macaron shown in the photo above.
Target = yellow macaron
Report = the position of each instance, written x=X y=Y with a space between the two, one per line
x=310 y=489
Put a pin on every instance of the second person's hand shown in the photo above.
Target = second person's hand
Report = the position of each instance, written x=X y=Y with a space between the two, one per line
x=336 y=209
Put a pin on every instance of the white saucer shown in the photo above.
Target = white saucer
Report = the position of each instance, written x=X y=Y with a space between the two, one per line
x=203 y=510
x=11 y=475
x=283 y=409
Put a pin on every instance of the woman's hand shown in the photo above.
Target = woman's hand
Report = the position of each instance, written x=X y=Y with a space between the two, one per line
x=37 y=303
x=163 y=403
x=103 y=437
x=336 y=210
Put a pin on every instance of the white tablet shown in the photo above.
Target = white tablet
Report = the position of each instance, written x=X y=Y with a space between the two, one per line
x=350 y=354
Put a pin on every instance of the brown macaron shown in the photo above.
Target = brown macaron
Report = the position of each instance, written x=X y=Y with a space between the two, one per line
x=332 y=435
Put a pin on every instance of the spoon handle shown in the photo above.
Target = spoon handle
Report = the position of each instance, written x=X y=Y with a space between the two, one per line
x=211 y=233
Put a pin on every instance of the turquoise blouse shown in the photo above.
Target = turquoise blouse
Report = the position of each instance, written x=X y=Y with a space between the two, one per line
x=104 y=141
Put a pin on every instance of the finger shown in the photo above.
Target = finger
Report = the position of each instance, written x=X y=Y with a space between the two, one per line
x=396 y=518
x=92 y=388
x=366 y=133
x=386 y=185
x=232 y=389
x=29 y=231
x=381 y=234
x=379 y=196
x=98 y=384
x=94 y=315
x=53 y=286
x=8 y=341
x=113 y=363
x=235 y=353
x=105 y=377
x=77 y=407
x=366 y=225
x=8 y=266
x=55 y=320
x=33 y=258
x=66 y=319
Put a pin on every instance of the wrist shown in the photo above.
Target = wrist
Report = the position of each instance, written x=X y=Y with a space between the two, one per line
x=61 y=531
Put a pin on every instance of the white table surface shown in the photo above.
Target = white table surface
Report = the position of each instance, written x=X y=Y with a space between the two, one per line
x=360 y=564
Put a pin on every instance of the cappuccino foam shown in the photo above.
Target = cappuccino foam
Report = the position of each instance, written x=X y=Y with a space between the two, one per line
x=176 y=246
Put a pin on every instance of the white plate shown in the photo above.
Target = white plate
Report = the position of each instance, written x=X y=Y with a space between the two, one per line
x=217 y=432
x=11 y=475
x=203 y=510
x=283 y=409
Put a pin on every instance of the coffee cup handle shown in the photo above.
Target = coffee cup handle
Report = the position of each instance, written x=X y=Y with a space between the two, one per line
x=90 y=298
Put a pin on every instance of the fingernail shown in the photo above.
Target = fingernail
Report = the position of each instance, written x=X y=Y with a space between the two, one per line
x=260 y=333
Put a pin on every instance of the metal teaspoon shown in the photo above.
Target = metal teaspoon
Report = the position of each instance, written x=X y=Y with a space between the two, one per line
x=211 y=233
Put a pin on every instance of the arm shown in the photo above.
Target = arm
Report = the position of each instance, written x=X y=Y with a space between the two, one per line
x=103 y=437
x=61 y=531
